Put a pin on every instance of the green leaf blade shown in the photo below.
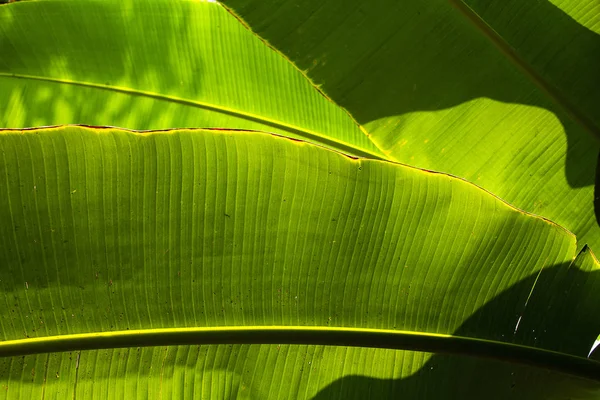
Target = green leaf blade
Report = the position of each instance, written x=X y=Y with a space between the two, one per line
x=156 y=65
x=167 y=230
x=110 y=231
x=276 y=372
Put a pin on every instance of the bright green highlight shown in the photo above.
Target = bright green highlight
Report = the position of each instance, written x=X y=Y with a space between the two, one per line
x=156 y=65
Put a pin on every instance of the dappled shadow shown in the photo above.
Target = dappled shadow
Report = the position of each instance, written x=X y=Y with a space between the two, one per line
x=86 y=81
x=435 y=87
x=560 y=315
x=116 y=53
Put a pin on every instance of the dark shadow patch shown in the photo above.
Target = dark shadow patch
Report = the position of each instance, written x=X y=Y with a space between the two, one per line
x=443 y=60
x=597 y=192
x=560 y=315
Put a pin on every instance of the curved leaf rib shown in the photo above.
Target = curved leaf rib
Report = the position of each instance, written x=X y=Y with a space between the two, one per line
x=303 y=335
x=278 y=125
x=206 y=71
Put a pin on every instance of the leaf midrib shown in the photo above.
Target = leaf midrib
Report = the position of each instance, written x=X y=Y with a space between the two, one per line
x=305 y=335
x=305 y=133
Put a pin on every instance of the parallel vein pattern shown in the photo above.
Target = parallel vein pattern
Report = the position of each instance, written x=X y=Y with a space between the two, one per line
x=273 y=372
x=113 y=230
x=117 y=230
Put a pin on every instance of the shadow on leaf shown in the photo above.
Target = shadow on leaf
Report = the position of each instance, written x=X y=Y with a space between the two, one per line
x=559 y=315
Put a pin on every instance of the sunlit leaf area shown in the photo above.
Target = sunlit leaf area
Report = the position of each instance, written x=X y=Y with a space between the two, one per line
x=285 y=199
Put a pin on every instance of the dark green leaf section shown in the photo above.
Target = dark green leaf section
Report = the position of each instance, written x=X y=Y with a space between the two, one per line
x=564 y=300
x=501 y=93
x=563 y=56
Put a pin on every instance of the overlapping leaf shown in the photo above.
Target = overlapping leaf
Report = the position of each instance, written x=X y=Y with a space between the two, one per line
x=502 y=93
x=109 y=230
